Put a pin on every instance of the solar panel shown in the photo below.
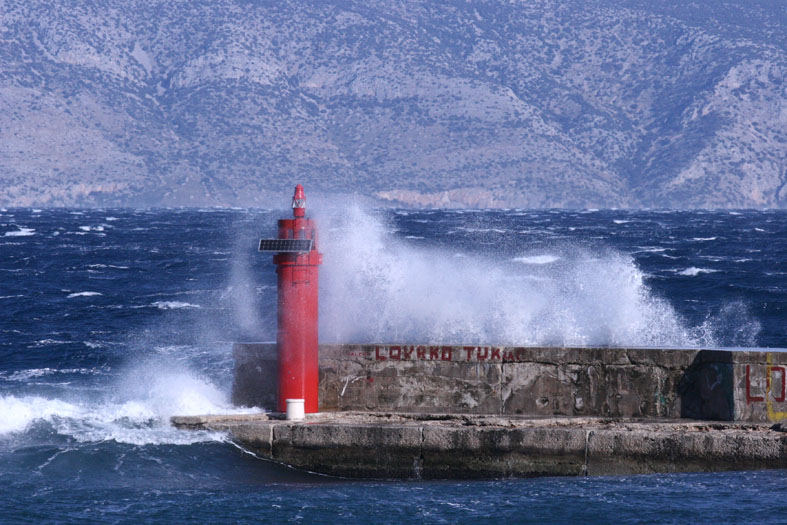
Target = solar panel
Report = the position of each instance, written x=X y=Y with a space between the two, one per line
x=286 y=245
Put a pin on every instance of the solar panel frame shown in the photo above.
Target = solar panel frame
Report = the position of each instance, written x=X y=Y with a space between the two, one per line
x=286 y=245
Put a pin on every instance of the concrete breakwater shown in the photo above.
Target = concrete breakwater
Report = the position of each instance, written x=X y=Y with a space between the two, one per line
x=440 y=446
x=604 y=382
x=421 y=411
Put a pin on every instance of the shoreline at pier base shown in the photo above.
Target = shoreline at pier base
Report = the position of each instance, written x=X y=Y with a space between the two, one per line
x=387 y=445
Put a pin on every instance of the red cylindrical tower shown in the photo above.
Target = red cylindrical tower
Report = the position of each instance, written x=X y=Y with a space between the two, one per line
x=297 y=265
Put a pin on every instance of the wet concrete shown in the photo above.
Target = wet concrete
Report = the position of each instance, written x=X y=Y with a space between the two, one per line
x=427 y=411
x=441 y=446
x=603 y=382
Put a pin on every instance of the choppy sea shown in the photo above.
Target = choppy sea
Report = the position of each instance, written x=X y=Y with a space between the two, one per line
x=112 y=320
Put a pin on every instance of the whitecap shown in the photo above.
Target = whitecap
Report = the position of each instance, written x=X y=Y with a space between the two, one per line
x=620 y=221
x=25 y=375
x=138 y=413
x=22 y=232
x=42 y=342
x=83 y=294
x=537 y=259
x=702 y=239
x=18 y=413
x=174 y=305
x=481 y=230
x=694 y=271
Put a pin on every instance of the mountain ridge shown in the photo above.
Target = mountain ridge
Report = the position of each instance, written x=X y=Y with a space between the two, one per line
x=469 y=104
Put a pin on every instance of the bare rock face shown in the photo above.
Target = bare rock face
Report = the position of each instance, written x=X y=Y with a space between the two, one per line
x=479 y=104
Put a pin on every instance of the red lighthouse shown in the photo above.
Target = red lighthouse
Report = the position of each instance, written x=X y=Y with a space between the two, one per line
x=297 y=265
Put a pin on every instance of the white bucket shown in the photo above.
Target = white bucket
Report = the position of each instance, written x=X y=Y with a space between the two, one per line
x=295 y=411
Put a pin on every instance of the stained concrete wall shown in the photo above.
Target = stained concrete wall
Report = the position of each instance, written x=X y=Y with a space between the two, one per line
x=607 y=382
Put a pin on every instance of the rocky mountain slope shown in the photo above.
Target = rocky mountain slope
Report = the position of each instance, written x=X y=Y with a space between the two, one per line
x=621 y=103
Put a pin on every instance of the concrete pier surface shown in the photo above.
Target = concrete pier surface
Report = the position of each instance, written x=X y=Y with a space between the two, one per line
x=443 y=446
x=429 y=411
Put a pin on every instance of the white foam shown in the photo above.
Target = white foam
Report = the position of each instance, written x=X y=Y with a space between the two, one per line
x=620 y=221
x=703 y=239
x=481 y=230
x=174 y=305
x=138 y=413
x=18 y=413
x=380 y=288
x=83 y=294
x=694 y=271
x=537 y=259
x=25 y=375
x=22 y=232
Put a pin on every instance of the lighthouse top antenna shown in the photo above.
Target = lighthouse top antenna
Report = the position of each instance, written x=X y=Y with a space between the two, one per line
x=299 y=202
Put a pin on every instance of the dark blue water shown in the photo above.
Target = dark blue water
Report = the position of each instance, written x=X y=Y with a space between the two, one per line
x=111 y=321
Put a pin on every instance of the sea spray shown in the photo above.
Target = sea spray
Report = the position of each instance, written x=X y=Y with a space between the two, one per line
x=135 y=408
x=732 y=325
x=250 y=290
x=378 y=288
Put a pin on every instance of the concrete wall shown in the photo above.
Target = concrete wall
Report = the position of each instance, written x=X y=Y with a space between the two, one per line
x=384 y=445
x=610 y=382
